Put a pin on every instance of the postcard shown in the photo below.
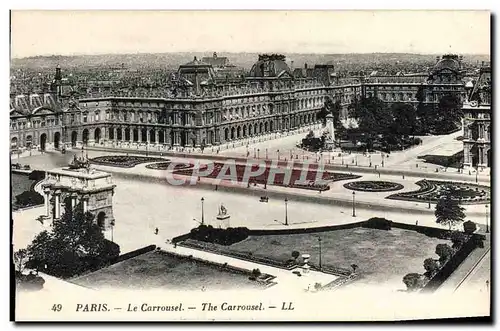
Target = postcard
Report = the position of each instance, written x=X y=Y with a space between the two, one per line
x=250 y=165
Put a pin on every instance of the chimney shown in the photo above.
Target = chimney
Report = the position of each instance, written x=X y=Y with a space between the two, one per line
x=305 y=66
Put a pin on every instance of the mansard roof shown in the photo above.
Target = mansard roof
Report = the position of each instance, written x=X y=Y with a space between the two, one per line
x=270 y=66
x=22 y=105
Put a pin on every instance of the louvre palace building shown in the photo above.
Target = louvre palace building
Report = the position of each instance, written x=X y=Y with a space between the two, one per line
x=208 y=102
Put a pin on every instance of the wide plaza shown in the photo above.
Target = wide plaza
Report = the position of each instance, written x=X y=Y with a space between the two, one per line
x=144 y=201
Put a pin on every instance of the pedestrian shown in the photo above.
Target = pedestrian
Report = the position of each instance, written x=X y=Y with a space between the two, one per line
x=403 y=176
x=416 y=222
x=156 y=231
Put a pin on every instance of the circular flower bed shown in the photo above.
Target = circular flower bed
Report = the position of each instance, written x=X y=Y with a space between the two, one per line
x=165 y=165
x=432 y=190
x=123 y=161
x=373 y=186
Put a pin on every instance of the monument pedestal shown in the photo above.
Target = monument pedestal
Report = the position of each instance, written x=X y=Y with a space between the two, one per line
x=223 y=220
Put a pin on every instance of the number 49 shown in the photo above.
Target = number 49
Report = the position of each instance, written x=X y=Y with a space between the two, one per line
x=57 y=307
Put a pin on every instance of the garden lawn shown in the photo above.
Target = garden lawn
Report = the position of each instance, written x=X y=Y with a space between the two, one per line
x=159 y=269
x=382 y=256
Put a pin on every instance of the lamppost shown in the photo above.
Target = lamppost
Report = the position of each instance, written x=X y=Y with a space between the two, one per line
x=266 y=154
x=278 y=151
x=487 y=226
x=112 y=228
x=202 y=213
x=286 y=211
x=258 y=151
x=383 y=156
x=353 y=204
x=319 y=241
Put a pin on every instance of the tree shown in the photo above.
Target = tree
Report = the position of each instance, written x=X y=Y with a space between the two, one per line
x=450 y=108
x=405 y=119
x=295 y=254
x=354 y=267
x=76 y=244
x=413 y=281
x=448 y=211
x=20 y=258
x=431 y=266
x=444 y=252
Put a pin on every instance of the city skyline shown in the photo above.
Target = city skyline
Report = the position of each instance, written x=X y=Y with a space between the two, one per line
x=45 y=33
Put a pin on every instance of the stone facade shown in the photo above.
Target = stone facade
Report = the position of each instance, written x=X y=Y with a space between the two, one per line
x=201 y=110
x=65 y=188
x=477 y=123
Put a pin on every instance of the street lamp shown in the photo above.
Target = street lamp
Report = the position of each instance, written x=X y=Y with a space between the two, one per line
x=353 y=204
x=278 y=151
x=202 y=214
x=258 y=151
x=266 y=154
x=112 y=228
x=487 y=226
x=319 y=240
x=286 y=211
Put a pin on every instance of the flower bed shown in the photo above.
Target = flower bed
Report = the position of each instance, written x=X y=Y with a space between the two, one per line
x=373 y=186
x=165 y=166
x=311 y=180
x=431 y=191
x=123 y=161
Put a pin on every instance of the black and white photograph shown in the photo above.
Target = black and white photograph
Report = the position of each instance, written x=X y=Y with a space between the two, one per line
x=250 y=165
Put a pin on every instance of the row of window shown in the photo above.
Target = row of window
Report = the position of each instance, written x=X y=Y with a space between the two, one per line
x=35 y=123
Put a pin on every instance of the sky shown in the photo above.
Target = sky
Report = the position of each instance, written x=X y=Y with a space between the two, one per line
x=101 y=32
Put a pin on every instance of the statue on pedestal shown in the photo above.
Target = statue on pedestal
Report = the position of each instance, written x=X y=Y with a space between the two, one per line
x=329 y=133
x=223 y=216
x=222 y=213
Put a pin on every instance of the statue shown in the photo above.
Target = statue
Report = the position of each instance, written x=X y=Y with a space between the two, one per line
x=222 y=210
x=79 y=163
x=223 y=216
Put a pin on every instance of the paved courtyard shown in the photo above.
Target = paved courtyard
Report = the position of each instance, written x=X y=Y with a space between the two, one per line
x=143 y=204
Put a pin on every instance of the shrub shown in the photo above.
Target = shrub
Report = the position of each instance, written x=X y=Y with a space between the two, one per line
x=444 y=252
x=470 y=227
x=224 y=237
x=458 y=239
x=30 y=282
x=413 y=281
x=295 y=254
x=256 y=273
x=37 y=175
x=29 y=198
x=378 y=223
x=431 y=266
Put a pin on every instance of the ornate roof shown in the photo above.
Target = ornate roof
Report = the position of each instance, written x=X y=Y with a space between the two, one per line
x=195 y=63
x=482 y=88
x=450 y=62
x=31 y=104
x=270 y=66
